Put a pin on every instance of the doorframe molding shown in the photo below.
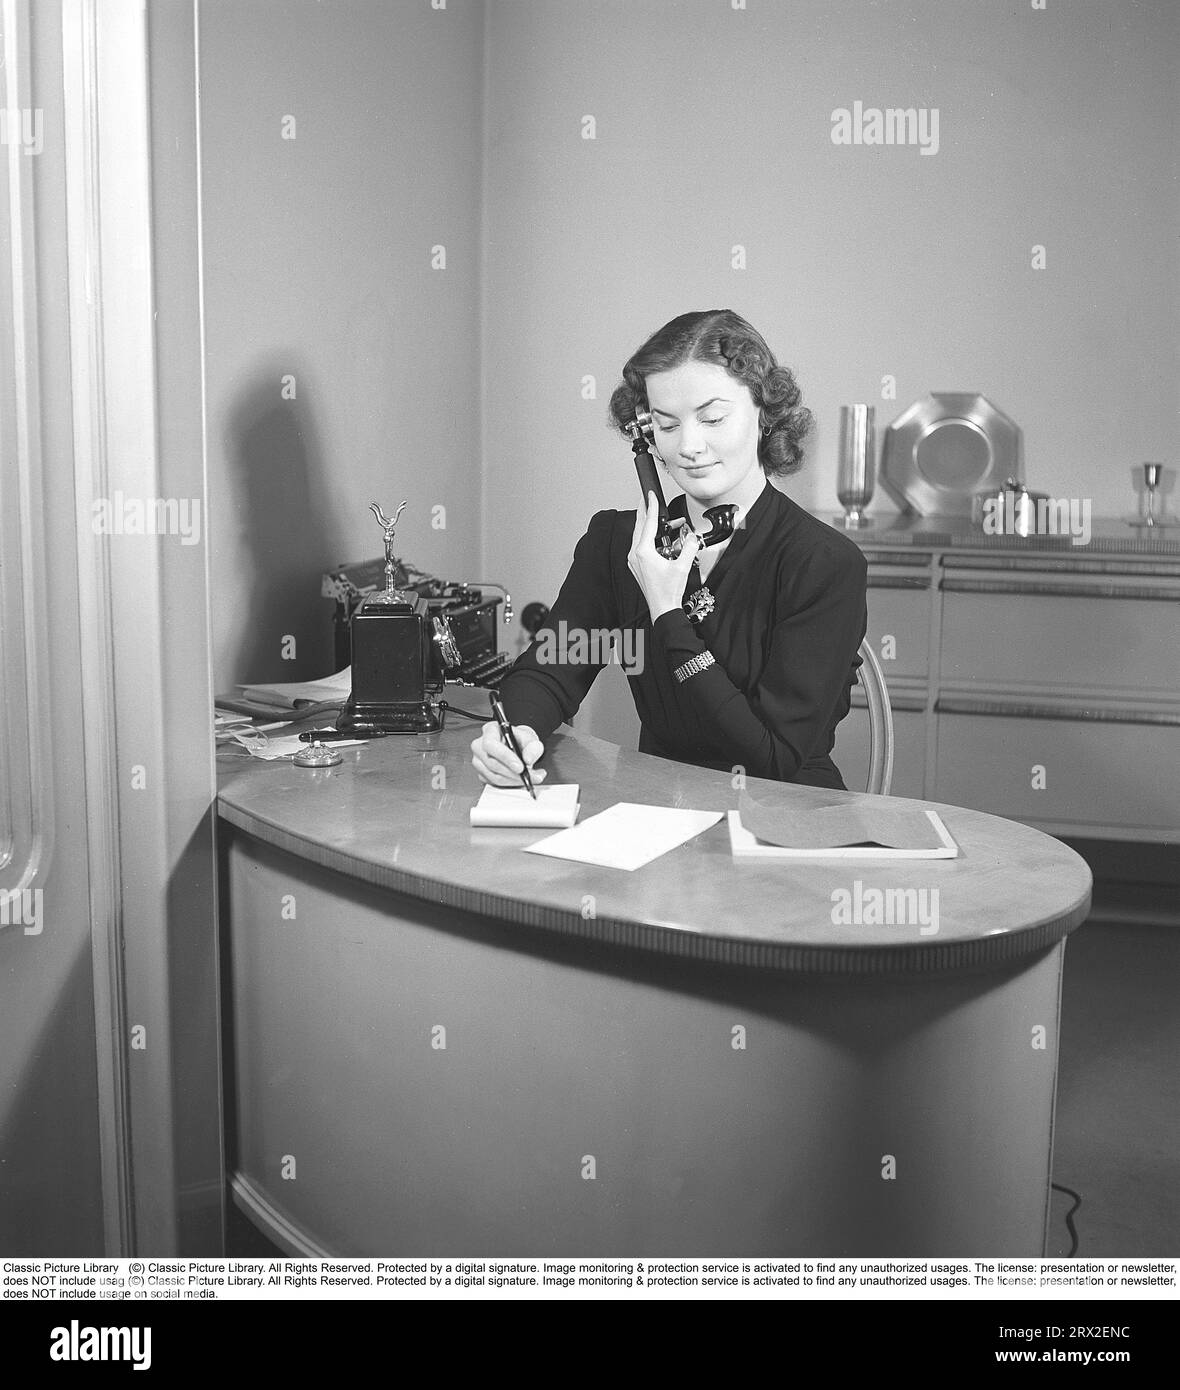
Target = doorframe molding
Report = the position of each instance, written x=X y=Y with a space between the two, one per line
x=82 y=114
x=29 y=794
x=134 y=293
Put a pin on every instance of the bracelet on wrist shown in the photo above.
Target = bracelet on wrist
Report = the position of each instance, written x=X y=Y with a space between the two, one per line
x=694 y=666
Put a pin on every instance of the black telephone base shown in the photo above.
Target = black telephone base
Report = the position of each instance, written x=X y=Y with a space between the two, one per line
x=368 y=721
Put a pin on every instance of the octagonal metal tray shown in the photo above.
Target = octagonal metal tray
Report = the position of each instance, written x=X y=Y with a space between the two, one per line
x=946 y=449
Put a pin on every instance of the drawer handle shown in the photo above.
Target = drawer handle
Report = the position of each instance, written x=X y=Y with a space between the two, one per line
x=951 y=704
x=1047 y=565
x=891 y=557
x=1019 y=586
x=898 y=581
x=896 y=701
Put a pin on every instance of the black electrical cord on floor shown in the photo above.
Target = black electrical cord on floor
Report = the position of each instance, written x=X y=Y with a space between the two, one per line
x=1069 y=1226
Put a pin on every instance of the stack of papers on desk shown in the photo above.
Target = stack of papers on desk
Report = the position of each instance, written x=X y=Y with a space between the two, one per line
x=869 y=830
x=242 y=729
x=331 y=688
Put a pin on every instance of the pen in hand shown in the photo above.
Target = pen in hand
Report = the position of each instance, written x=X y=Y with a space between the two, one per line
x=510 y=739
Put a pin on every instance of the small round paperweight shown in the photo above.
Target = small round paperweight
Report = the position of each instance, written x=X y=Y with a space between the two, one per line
x=317 y=755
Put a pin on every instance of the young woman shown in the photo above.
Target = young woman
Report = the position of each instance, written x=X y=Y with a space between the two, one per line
x=760 y=681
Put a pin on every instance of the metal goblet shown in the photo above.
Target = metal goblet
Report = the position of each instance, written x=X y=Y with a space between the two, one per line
x=1151 y=481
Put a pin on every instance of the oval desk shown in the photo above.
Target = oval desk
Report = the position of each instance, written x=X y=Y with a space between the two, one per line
x=439 y=1045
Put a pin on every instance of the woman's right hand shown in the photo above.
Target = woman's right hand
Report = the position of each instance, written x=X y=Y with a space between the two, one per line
x=497 y=764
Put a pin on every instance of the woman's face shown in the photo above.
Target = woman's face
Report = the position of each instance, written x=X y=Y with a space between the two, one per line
x=706 y=428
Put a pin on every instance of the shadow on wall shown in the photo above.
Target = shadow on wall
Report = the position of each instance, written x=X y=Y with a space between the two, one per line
x=273 y=622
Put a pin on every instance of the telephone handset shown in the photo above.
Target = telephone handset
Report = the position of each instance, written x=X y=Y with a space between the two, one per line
x=669 y=538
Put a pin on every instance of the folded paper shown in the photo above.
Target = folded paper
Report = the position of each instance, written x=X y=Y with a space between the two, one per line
x=863 y=830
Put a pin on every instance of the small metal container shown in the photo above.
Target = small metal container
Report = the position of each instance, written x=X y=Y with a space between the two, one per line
x=1012 y=511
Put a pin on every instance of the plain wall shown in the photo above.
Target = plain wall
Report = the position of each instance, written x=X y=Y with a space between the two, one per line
x=1057 y=128
x=464 y=127
x=318 y=255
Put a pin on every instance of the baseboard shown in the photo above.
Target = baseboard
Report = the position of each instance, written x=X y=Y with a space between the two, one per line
x=279 y=1229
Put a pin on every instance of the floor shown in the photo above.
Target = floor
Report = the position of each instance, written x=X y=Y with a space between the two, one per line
x=1117 y=1139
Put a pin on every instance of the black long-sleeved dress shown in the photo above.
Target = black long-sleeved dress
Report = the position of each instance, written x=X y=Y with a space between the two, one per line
x=789 y=616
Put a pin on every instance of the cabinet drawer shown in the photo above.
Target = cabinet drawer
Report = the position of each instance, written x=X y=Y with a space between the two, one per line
x=1013 y=641
x=1096 y=774
x=851 y=753
x=899 y=629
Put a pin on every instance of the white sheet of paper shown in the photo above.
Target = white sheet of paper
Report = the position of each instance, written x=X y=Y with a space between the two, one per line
x=626 y=835
x=555 y=806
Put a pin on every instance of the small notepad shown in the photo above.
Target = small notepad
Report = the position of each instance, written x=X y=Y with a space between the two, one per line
x=627 y=835
x=554 y=807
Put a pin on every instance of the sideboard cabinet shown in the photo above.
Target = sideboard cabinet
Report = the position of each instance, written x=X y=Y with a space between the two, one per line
x=1029 y=676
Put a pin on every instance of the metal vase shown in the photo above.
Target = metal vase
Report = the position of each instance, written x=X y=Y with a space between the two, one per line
x=857 y=463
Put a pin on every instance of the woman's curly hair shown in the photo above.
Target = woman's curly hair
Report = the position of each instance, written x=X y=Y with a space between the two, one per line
x=725 y=339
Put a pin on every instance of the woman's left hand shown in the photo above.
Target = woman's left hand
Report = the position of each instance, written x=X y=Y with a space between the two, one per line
x=662 y=581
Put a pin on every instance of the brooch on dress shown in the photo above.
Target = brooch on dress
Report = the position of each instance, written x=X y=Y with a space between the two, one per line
x=699 y=605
